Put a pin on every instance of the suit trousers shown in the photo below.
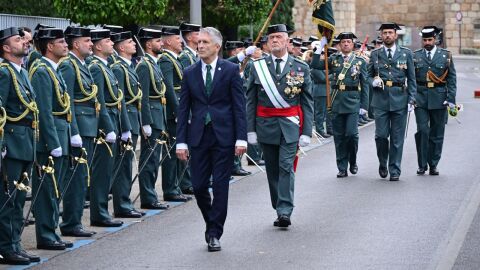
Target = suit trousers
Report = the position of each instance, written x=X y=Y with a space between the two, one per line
x=209 y=159
x=345 y=136
x=390 y=124
x=281 y=178
x=429 y=136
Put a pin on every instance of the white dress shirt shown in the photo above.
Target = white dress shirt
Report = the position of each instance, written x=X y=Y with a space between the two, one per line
x=432 y=52
x=393 y=49
x=54 y=65
x=103 y=60
x=282 y=64
x=74 y=55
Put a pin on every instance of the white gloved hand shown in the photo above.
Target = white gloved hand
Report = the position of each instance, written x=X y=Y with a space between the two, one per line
x=411 y=107
x=111 y=137
x=56 y=152
x=252 y=138
x=250 y=50
x=377 y=82
x=320 y=46
x=316 y=43
x=241 y=56
x=4 y=152
x=362 y=111
x=449 y=104
x=76 y=141
x=126 y=135
x=304 y=141
x=147 y=130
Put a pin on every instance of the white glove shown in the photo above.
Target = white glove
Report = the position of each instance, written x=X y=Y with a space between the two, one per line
x=250 y=50
x=320 y=46
x=316 y=43
x=147 y=130
x=56 y=152
x=449 y=104
x=76 y=141
x=126 y=135
x=240 y=56
x=411 y=107
x=304 y=141
x=377 y=82
x=362 y=111
x=4 y=152
x=111 y=137
x=252 y=138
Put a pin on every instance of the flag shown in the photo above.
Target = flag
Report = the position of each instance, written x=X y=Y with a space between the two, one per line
x=323 y=16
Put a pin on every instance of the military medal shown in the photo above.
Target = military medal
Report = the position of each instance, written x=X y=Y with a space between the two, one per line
x=389 y=83
x=341 y=76
x=287 y=90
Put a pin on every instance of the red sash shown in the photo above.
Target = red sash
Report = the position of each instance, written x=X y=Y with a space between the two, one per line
x=283 y=112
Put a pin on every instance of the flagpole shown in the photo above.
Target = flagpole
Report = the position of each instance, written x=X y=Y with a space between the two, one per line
x=327 y=80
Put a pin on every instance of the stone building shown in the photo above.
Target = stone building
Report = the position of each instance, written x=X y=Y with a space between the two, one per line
x=364 y=16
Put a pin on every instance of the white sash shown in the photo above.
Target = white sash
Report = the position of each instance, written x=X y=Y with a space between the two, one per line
x=271 y=89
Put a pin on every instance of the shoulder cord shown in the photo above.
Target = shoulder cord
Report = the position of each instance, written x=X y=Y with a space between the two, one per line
x=117 y=100
x=135 y=97
x=161 y=93
x=88 y=96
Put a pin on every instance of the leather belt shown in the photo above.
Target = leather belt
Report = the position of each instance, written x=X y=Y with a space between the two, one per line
x=392 y=84
x=343 y=87
x=22 y=122
x=85 y=103
x=430 y=84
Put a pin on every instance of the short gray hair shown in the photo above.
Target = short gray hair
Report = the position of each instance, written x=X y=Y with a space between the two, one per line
x=214 y=34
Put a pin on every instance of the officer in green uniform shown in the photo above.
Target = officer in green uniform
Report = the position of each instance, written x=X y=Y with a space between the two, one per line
x=152 y=115
x=173 y=170
x=54 y=129
x=279 y=92
x=35 y=53
x=113 y=123
x=18 y=150
x=393 y=79
x=114 y=29
x=188 y=56
x=129 y=82
x=436 y=89
x=84 y=128
x=349 y=99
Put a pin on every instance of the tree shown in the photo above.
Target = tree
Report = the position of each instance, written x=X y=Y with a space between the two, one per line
x=121 y=12
x=28 y=7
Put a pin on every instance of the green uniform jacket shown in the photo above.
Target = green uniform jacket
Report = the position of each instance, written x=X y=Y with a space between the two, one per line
x=319 y=83
x=85 y=122
x=187 y=58
x=398 y=70
x=54 y=130
x=355 y=77
x=172 y=74
x=270 y=129
x=234 y=59
x=108 y=124
x=433 y=98
x=18 y=139
x=129 y=83
x=153 y=91
x=32 y=56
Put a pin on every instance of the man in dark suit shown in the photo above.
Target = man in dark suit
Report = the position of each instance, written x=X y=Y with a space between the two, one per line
x=217 y=132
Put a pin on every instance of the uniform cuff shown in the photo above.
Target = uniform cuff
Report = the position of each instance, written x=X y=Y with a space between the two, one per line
x=241 y=143
x=182 y=146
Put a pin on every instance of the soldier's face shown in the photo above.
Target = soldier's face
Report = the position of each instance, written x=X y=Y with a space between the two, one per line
x=346 y=45
x=28 y=39
x=129 y=46
x=59 y=47
x=155 y=45
x=389 y=36
x=296 y=51
x=278 y=42
x=174 y=43
x=207 y=48
x=84 y=46
x=106 y=46
x=428 y=43
x=193 y=37
x=16 y=46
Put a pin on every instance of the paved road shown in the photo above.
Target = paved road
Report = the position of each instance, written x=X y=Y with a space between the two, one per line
x=361 y=222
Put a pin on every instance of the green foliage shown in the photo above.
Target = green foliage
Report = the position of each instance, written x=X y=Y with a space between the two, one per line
x=121 y=12
x=283 y=14
x=28 y=7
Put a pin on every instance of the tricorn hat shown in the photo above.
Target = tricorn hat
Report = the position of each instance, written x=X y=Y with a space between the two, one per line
x=99 y=34
x=275 y=28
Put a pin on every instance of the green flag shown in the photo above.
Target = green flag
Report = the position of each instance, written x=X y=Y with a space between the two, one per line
x=323 y=16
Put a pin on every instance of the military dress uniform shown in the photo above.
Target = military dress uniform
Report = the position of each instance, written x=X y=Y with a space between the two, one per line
x=276 y=127
x=322 y=116
x=153 y=114
x=349 y=94
x=436 y=88
x=85 y=116
x=128 y=81
x=390 y=104
x=19 y=137
x=54 y=129
x=106 y=155
x=172 y=167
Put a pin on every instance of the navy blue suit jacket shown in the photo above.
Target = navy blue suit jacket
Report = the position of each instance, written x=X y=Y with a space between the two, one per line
x=226 y=105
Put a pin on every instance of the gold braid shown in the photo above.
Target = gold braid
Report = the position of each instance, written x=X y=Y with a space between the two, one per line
x=177 y=68
x=135 y=97
x=3 y=120
x=117 y=100
x=88 y=96
x=161 y=93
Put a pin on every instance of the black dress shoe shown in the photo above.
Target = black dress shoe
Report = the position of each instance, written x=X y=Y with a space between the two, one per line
x=188 y=191
x=433 y=171
x=284 y=221
x=354 y=169
x=241 y=172
x=29 y=221
x=176 y=198
x=155 y=206
x=129 y=214
x=342 y=174
x=276 y=222
x=214 y=244
x=383 y=172
x=324 y=135
x=79 y=233
x=55 y=245
x=67 y=244
x=30 y=256
x=394 y=177
x=421 y=171
x=260 y=162
x=141 y=212
x=13 y=258
x=107 y=223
